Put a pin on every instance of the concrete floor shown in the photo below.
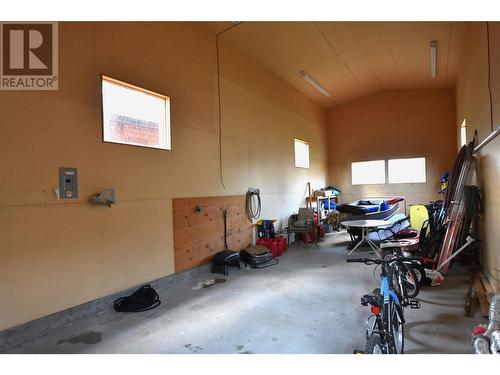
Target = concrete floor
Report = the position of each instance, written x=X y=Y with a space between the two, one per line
x=308 y=303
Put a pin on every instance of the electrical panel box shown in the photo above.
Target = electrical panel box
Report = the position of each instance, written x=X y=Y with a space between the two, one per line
x=68 y=183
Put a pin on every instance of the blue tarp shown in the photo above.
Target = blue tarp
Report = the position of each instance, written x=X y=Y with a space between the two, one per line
x=333 y=206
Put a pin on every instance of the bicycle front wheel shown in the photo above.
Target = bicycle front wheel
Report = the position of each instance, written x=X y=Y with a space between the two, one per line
x=411 y=284
x=419 y=272
x=374 y=345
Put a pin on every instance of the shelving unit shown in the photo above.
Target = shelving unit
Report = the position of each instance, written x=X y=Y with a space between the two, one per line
x=322 y=212
x=317 y=204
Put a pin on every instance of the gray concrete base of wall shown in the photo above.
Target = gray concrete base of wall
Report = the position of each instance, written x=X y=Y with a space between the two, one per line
x=40 y=327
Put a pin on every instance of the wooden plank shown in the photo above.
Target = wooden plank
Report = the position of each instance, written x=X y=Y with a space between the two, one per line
x=481 y=297
x=133 y=87
x=199 y=234
x=487 y=286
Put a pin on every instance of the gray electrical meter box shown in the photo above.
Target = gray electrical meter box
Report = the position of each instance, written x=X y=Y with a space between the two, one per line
x=68 y=183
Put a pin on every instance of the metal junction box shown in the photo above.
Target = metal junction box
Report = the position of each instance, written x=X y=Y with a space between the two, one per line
x=68 y=183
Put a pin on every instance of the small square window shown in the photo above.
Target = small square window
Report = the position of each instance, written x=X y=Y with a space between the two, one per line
x=301 y=154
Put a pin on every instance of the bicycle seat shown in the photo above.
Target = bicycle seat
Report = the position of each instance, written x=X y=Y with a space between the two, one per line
x=374 y=298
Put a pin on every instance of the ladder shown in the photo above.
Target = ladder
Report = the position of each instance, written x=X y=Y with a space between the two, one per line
x=455 y=211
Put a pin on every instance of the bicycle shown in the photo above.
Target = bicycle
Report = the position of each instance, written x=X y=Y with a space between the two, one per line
x=408 y=275
x=418 y=270
x=386 y=335
x=414 y=243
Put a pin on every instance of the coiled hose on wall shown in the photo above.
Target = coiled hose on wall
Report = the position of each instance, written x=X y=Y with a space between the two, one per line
x=253 y=204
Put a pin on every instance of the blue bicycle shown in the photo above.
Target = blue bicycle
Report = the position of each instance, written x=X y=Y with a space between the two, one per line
x=386 y=335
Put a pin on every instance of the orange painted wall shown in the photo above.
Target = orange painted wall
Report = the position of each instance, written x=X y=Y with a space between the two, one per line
x=473 y=105
x=393 y=124
x=55 y=254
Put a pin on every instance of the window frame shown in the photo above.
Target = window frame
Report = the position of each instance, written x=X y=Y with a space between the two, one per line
x=407 y=182
x=300 y=141
x=168 y=125
x=369 y=183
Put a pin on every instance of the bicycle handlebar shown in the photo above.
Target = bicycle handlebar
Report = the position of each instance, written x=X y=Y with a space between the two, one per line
x=380 y=261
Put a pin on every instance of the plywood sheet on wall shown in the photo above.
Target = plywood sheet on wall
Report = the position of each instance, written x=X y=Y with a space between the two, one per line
x=198 y=235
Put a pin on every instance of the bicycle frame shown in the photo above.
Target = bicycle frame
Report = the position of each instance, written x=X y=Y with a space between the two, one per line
x=398 y=252
x=387 y=293
x=382 y=323
x=387 y=332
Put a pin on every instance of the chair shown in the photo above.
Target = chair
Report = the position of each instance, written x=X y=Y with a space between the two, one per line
x=418 y=215
x=303 y=222
x=408 y=239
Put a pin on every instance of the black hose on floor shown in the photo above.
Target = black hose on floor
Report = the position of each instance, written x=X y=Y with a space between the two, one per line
x=143 y=299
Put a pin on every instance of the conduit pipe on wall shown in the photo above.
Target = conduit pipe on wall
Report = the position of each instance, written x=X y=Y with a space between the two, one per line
x=221 y=168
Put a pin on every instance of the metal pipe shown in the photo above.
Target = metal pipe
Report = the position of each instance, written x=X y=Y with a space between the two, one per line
x=488 y=139
x=469 y=240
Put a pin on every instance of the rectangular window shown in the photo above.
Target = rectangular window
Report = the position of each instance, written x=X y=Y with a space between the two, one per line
x=406 y=170
x=463 y=134
x=135 y=116
x=368 y=172
x=301 y=154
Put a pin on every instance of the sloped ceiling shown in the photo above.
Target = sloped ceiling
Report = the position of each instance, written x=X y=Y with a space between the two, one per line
x=351 y=59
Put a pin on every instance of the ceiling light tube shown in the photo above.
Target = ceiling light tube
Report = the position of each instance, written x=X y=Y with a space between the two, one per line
x=314 y=83
x=434 y=44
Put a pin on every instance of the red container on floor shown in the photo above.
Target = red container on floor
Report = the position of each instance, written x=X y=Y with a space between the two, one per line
x=310 y=239
x=321 y=234
x=311 y=235
x=281 y=245
x=276 y=246
x=321 y=231
x=271 y=244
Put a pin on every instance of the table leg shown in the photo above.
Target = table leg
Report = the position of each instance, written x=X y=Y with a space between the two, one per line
x=359 y=242
x=375 y=248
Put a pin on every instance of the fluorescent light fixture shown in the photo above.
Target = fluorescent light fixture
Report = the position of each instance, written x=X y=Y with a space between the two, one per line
x=314 y=83
x=434 y=45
